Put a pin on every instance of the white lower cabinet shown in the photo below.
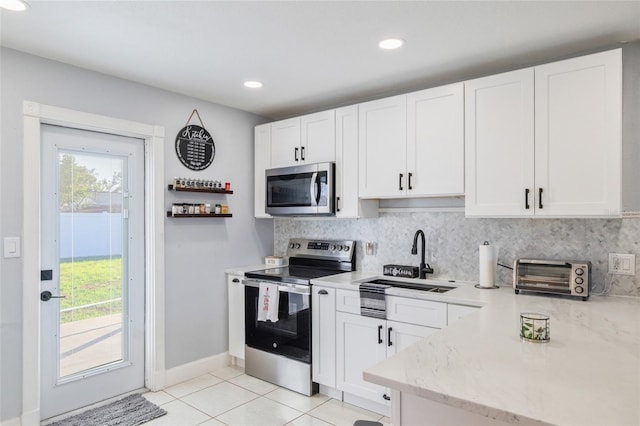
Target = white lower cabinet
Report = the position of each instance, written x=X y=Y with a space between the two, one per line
x=236 y=315
x=362 y=342
x=323 y=335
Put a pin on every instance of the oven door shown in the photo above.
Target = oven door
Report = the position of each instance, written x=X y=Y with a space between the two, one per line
x=300 y=190
x=290 y=336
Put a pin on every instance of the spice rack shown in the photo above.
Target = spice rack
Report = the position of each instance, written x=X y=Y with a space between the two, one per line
x=170 y=213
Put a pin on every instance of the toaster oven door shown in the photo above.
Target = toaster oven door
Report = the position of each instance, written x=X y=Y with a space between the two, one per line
x=548 y=277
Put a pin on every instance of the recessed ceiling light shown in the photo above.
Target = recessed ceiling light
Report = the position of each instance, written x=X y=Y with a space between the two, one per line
x=15 y=5
x=252 y=84
x=391 y=43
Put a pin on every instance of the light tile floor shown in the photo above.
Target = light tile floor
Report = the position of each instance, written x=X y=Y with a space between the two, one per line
x=230 y=397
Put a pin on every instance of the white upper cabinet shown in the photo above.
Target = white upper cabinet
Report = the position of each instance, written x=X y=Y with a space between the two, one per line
x=285 y=142
x=383 y=147
x=348 y=205
x=552 y=151
x=318 y=137
x=435 y=142
x=262 y=161
x=303 y=140
x=413 y=145
x=499 y=145
x=578 y=112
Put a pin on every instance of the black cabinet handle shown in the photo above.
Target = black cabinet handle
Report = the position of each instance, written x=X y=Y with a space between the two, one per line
x=409 y=181
x=235 y=280
x=400 y=181
x=526 y=198
x=337 y=203
x=539 y=198
x=389 y=343
x=323 y=292
x=386 y=397
x=380 y=334
x=296 y=154
x=302 y=153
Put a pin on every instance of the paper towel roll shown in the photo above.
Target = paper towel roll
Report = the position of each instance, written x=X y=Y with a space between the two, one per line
x=488 y=265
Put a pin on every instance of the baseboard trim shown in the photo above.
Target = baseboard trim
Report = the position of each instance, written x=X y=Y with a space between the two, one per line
x=197 y=368
x=11 y=422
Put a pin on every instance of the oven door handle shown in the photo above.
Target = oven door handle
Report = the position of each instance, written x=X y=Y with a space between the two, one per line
x=285 y=287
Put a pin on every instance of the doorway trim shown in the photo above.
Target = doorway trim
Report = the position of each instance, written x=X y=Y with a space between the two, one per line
x=34 y=115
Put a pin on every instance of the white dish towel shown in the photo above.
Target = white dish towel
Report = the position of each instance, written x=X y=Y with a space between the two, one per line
x=268 y=299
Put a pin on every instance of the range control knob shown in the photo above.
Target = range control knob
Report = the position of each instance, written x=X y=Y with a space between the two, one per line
x=579 y=290
x=297 y=245
x=579 y=271
x=347 y=248
x=291 y=245
x=579 y=280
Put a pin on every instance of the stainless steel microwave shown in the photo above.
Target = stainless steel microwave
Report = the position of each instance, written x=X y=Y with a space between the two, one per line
x=304 y=190
x=563 y=277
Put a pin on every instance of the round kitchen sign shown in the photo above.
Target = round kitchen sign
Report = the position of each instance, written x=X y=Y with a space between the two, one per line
x=194 y=147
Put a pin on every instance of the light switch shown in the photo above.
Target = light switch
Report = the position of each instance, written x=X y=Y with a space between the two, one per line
x=12 y=247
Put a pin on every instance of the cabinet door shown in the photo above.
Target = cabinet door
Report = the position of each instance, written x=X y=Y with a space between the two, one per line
x=318 y=143
x=383 y=147
x=578 y=135
x=262 y=161
x=435 y=141
x=360 y=345
x=499 y=145
x=285 y=142
x=401 y=335
x=348 y=204
x=323 y=335
x=236 y=315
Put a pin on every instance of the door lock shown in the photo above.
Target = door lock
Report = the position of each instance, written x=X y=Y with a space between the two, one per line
x=46 y=295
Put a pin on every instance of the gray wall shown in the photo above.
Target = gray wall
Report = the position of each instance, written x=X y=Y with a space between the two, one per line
x=197 y=250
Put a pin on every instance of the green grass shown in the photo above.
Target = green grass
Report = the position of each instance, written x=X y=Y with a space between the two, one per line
x=90 y=281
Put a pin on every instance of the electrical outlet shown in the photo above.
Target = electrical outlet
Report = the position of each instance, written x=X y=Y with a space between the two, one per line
x=622 y=264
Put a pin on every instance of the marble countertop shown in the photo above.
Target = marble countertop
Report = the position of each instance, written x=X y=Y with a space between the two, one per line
x=588 y=374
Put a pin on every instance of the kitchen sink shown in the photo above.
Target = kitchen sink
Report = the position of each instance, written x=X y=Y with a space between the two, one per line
x=412 y=285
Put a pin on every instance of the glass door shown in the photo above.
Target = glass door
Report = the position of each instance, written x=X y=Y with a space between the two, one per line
x=92 y=289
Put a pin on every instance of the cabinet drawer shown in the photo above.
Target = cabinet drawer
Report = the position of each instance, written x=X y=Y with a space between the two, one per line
x=416 y=311
x=348 y=301
x=457 y=312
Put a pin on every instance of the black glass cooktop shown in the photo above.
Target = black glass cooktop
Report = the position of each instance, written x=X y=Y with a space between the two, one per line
x=291 y=274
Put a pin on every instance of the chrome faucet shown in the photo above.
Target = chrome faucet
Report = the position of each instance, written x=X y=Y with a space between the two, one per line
x=424 y=268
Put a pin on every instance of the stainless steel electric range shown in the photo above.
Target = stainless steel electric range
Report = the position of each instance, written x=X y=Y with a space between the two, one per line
x=280 y=351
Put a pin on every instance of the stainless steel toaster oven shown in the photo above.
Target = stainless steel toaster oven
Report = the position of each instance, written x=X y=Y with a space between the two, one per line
x=562 y=277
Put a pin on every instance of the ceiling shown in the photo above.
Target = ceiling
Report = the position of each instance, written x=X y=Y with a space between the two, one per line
x=310 y=55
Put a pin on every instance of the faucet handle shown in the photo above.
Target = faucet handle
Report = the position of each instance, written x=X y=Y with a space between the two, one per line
x=428 y=269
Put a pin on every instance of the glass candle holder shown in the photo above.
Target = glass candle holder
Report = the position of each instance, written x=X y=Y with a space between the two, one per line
x=534 y=327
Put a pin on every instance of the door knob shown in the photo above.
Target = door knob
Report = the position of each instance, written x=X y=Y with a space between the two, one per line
x=46 y=295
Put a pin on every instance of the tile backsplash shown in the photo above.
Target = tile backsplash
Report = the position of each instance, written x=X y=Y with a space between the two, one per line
x=452 y=242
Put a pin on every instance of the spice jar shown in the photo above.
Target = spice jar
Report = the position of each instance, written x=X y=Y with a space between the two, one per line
x=224 y=209
x=207 y=208
x=218 y=209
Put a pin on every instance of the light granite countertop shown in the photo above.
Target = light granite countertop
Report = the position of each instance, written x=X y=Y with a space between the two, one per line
x=588 y=374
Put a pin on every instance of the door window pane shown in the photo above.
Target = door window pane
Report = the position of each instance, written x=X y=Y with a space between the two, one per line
x=92 y=271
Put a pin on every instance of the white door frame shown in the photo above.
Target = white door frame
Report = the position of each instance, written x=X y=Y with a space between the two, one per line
x=34 y=115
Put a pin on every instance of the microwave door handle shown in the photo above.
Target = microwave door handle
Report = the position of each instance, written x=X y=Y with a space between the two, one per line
x=313 y=189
